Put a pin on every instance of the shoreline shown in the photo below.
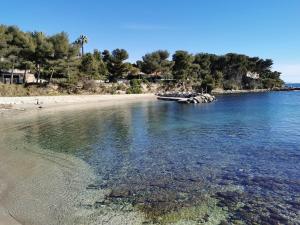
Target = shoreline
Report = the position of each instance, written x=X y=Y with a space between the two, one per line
x=20 y=105
x=42 y=187
x=38 y=187
x=225 y=92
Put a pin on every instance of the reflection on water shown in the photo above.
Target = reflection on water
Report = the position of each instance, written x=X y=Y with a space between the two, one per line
x=241 y=152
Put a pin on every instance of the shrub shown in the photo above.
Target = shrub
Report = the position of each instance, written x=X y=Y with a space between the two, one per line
x=135 y=87
x=230 y=85
x=90 y=85
x=272 y=83
x=208 y=83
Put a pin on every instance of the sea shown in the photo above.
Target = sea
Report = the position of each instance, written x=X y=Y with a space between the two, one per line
x=233 y=161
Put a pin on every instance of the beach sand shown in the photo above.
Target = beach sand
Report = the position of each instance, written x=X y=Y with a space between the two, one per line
x=39 y=187
x=64 y=101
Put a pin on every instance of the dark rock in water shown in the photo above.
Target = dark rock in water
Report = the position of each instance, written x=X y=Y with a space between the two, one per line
x=87 y=206
x=100 y=204
x=280 y=219
x=229 y=196
x=200 y=163
x=119 y=193
x=92 y=187
x=206 y=218
x=267 y=220
x=294 y=204
x=223 y=222
x=194 y=179
x=159 y=183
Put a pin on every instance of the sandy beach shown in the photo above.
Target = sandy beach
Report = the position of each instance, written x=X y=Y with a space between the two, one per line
x=45 y=188
x=68 y=101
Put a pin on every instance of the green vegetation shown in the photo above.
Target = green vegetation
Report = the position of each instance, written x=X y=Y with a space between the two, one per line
x=57 y=58
x=135 y=87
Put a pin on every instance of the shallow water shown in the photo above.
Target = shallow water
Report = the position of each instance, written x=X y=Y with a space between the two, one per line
x=237 y=158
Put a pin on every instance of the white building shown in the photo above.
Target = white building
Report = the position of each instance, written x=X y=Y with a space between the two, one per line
x=19 y=76
x=253 y=75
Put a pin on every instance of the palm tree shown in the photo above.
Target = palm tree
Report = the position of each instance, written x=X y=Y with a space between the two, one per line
x=82 y=40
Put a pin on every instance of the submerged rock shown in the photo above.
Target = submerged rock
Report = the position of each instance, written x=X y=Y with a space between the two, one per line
x=119 y=193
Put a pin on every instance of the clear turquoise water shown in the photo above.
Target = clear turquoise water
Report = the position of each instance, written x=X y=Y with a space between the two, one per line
x=242 y=150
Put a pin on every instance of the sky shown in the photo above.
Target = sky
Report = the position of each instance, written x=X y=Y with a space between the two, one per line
x=263 y=28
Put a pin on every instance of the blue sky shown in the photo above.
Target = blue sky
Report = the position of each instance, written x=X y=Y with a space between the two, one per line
x=264 y=28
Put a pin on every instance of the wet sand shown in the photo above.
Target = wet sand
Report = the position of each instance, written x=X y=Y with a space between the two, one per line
x=39 y=188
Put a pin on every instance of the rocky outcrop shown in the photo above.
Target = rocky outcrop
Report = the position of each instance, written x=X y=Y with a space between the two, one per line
x=204 y=98
x=176 y=94
x=186 y=97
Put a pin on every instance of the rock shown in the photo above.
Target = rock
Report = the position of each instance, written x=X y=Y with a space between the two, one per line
x=92 y=187
x=206 y=217
x=198 y=99
x=223 y=222
x=191 y=100
x=120 y=92
x=183 y=101
x=119 y=193
x=187 y=97
x=99 y=204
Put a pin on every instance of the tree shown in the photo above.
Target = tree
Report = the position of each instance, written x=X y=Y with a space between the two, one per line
x=182 y=64
x=106 y=56
x=81 y=41
x=54 y=66
x=54 y=56
x=43 y=51
x=156 y=63
x=218 y=77
x=89 y=66
x=204 y=62
x=60 y=43
x=102 y=66
x=272 y=79
x=208 y=83
x=71 y=65
x=116 y=66
x=92 y=66
x=133 y=71
x=13 y=59
x=14 y=47
x=3 y=41
x=62 y=52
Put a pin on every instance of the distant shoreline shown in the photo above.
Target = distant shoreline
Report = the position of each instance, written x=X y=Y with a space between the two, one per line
x=220 y=91
x=63 y=102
